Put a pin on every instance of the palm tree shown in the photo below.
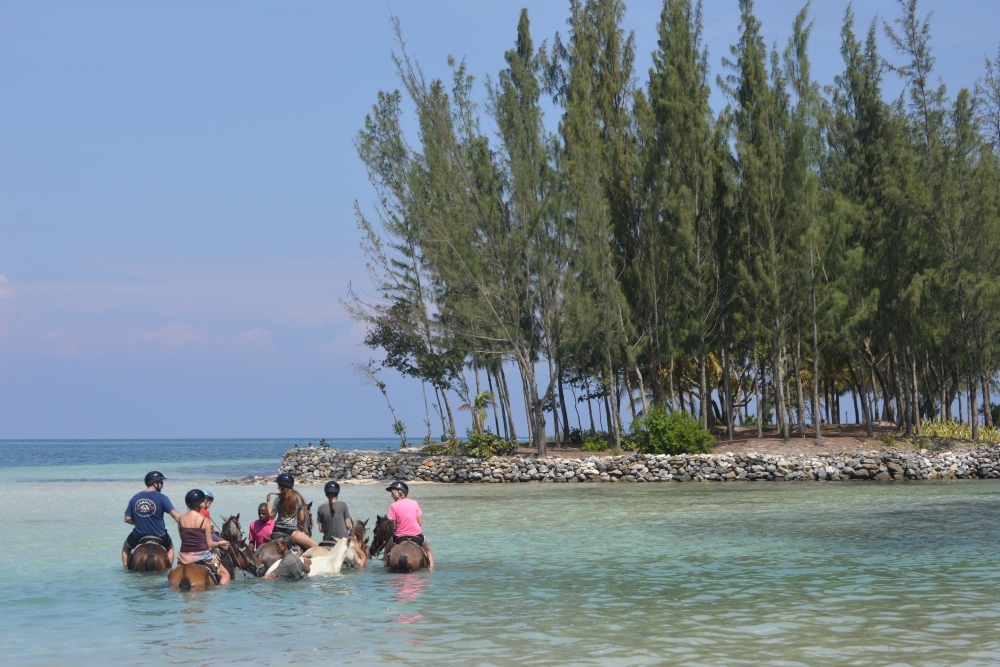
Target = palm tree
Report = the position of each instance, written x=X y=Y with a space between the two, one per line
x=477 y=406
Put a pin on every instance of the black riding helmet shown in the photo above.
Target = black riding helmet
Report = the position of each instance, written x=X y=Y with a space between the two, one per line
x=153 y=477
x=400 y=486
x=194 y=498
x=286 y=480
x=331 y=489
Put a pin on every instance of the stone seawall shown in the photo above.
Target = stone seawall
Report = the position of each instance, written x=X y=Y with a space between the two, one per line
x=320 y=465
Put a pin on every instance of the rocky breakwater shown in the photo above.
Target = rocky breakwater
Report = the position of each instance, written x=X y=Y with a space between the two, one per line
x=311 y=465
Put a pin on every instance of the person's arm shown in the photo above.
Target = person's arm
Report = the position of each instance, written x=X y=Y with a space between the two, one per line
x=272 y=512
x=320 y=521
x=176 y=515
x=347 y=519
x=307 y=562
x=129 y=520
x=270 y=576
x=420 y=520
x=209 y=538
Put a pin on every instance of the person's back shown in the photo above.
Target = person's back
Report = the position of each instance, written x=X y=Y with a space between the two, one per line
x=145 y=512
x=333 y=517
x=405 y=513
x=290 y=567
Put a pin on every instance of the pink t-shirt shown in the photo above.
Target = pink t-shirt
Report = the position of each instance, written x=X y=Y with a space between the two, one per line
x=405 y=512
x=260 y=531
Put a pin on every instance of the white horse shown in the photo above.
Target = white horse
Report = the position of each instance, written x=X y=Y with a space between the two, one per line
x=329 y=560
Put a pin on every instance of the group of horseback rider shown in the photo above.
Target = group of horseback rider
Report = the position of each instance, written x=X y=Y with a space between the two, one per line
x=280 y=520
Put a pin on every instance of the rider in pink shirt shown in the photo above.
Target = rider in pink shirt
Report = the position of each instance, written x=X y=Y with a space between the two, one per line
x=406 y=513
x=260 y=530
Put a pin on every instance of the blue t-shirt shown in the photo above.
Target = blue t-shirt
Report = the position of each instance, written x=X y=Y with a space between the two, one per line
x=146 y=509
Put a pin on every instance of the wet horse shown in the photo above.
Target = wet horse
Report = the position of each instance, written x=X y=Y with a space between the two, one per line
x=149 y=556
x=402 y=556
x=189 y=577
x=330 y=556
x=239 y=555
x=267 y=554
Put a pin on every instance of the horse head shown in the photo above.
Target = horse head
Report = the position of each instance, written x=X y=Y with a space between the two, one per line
x=307 y=524
x=358 y=535
x=383 y=531
x=231 y=529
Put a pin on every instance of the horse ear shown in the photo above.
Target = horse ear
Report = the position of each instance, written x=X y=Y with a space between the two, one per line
x=237 y=517
x=310 y=505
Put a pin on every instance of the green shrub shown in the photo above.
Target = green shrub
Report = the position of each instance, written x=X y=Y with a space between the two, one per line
x=674 y=433
x=595 y=443
x=439 y=450
x=485 y=445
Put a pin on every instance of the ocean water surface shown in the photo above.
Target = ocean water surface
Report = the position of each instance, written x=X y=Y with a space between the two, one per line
x=528 y=574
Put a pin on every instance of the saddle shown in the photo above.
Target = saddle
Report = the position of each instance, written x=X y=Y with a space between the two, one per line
x=149 y=539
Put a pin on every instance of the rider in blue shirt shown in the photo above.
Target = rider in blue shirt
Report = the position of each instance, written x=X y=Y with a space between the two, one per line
x=145 y=512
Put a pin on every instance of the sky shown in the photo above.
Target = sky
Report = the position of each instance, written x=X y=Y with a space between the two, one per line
x=177 y=192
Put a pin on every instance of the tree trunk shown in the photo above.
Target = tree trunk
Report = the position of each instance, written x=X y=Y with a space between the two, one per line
x=590 y=408
x=496 y=402
x=800 y=399
x=726 y=388
x=778 y=375
x=451 y=417
x=562 y=403
x=915 y=394
x=987 y=408
x=502 y=380
x=703 y=388
x=859 y=382
x=973 y=409
x=756 y=393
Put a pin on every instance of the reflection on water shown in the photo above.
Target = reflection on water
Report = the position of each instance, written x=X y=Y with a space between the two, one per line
x=696 y=574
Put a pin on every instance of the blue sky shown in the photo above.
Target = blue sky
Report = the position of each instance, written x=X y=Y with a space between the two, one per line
x=177 y=183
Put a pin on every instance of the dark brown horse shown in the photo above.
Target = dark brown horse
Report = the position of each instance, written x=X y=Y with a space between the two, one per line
x=402 y=557
x=149 y=556
x=189 y=577
x=239 y=555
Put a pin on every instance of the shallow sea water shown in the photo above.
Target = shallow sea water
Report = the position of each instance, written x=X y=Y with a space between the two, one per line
x=529 y=574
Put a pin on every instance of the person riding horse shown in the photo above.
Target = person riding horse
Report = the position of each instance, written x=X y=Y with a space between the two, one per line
x=260 y=530
x=145 y=512
x=196 y=535
x=288 y=511
x=409 y=524
x=335 y=520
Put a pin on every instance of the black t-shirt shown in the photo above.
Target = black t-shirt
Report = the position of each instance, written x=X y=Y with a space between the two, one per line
x=333 y=523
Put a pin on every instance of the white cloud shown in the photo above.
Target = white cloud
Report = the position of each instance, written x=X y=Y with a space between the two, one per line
x=6 y=292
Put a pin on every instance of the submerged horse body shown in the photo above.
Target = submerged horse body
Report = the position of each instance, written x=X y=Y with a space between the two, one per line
x=329 y=558
x=402 y=556
x=239 y=555
x=149 y=556
x=267 y=554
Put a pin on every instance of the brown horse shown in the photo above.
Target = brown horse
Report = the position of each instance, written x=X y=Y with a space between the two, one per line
x=189 y=577
x=239 y=555
x=149 y=556
x=404 y=556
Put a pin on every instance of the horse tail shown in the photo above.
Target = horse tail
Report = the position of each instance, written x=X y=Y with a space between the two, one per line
x=404 y=563
x=185 y=584
x=150 y=564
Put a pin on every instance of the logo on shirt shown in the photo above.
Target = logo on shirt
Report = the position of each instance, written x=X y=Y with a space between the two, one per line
x=145 y=507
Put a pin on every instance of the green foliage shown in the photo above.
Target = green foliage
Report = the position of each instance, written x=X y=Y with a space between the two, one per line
x=485 y=445
x=674 y=433
x=953 y=430
x=399 y=428
x=439 y=450
x=595 y=443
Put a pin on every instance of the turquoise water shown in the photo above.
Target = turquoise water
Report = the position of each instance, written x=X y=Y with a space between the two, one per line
x=687 y=574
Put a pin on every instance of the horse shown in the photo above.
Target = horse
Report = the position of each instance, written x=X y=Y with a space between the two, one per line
x=267 y=554
x=403 y=556
x=329 y=557
x=239 y=555
x=188 y=577
x=149 y=556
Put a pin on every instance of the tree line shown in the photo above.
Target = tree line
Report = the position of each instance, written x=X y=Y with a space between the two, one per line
x=806 y=243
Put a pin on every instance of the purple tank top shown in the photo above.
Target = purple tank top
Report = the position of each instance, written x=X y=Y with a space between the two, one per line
x=193 y=540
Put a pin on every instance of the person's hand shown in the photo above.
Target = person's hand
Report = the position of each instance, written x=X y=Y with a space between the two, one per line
x=225 y=543
x=307 y=561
